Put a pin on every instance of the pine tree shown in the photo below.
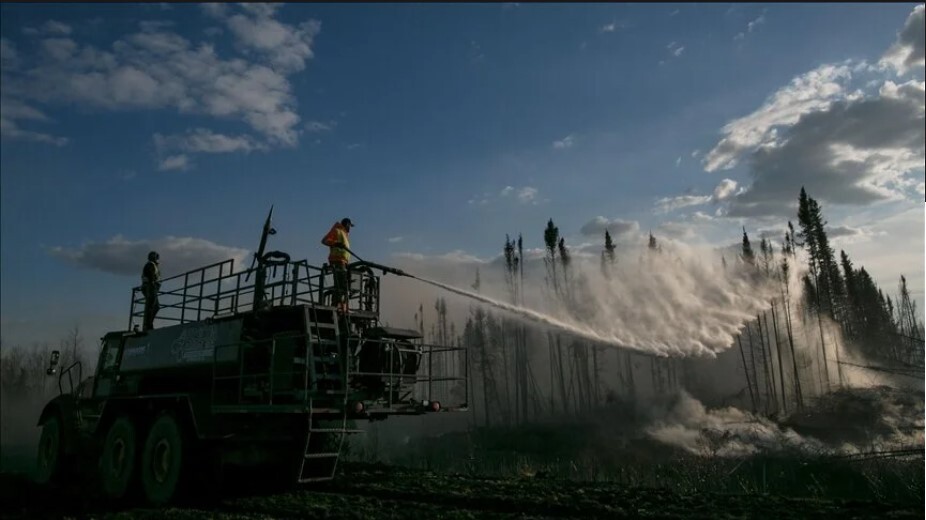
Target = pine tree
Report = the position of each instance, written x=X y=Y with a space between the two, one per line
x=748 y=256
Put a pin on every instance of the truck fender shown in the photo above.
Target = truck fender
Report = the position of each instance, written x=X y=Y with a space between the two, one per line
x=65 y=406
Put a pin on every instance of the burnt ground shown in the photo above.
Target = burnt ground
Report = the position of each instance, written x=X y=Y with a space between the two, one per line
x=378 y=491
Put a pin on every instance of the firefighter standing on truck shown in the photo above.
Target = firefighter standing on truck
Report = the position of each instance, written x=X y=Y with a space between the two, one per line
x=150 y=285
x=338 y=240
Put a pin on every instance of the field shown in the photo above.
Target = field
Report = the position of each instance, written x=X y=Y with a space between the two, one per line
x=375 y=491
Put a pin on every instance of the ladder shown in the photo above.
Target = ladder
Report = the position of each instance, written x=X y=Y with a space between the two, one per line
x=328 y=372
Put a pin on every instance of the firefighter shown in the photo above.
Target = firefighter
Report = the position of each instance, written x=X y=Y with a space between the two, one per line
x=150 y=285
x=338 y=240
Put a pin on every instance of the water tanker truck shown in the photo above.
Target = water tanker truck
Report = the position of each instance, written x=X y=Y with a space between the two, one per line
x=247 y=367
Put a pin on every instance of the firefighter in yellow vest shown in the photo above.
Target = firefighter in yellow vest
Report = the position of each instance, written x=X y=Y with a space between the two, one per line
x=338 y=239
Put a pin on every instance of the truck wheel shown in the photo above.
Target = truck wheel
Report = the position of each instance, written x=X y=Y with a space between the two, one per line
x=49 y=460
x=162 y=459
x=117 y=461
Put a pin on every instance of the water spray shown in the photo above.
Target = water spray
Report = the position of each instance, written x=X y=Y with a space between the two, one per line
x=532 y=315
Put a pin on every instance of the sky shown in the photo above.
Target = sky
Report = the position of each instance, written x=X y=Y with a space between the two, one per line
x=438 y=129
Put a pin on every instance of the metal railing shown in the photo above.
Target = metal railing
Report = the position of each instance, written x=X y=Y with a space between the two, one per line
x=233 y=379
x=218 y=290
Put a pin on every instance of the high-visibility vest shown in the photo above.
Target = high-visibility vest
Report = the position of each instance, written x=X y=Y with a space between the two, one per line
x=338 y=234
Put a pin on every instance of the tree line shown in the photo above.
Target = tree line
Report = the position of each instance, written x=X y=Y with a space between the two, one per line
x=788 y=353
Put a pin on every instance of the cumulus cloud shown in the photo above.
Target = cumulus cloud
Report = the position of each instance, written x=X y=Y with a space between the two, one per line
x=852 y=147
x=810 y=92
x=202 y=140
x=13 y=111
x=156 y=68
x=616 y=227
x=174 y=162
x=667 y=204
x=722 y=191
x=564 y=143
x=121 y=256
x=908 y=51
x=853 y=152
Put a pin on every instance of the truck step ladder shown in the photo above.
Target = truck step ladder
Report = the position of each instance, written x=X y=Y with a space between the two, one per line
x=319 y=463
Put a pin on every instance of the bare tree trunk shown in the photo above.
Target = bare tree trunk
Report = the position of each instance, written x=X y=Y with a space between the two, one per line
x=781 y=370
x=552 y=377
x=755 y=368
x=797 y=379
x=752 y=397
x=772 y=399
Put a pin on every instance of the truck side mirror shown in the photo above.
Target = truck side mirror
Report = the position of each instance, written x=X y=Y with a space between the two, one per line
x=53 y=363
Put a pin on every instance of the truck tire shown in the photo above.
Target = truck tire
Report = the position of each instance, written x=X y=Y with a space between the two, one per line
x=162 y=459
x=50 y=457
x=117 y=462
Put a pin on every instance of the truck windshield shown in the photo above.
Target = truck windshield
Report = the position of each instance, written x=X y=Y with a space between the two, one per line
x=110 y=353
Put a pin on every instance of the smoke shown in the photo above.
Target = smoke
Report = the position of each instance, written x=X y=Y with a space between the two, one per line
x=724 y=432
x=846 y=422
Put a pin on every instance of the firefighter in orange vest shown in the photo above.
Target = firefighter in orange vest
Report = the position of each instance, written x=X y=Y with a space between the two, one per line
x=338 y=239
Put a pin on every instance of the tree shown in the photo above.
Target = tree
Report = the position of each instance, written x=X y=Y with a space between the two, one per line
x=748 y=256
x=607 y=256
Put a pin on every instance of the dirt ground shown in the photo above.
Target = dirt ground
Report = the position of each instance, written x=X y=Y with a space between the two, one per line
x=376 y=491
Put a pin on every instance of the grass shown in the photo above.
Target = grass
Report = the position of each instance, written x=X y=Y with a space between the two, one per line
x=570 y=453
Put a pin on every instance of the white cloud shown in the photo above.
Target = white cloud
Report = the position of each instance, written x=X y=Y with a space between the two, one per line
x=908 y=51
x=755 y=23
x=699 y=216
x=678 y=52
x=286 y=47
x=609 y=27
x=667 y=204
x=9 y=58
x=675 y=49
x=616 y=227
x=318 y=126
x=12 y=111
x=395 y=240
x=202 y=140
x=854 y=152
x=524 y=195
x=156 y=68
x=126 y=257
x=174 y=162
x=55 y=27
x=724 y=189
x=564 y=143
x=678 y=161
x=921 y=188
x=527 y=195
x=695 y=154
x=810 y=92
x=844 y=146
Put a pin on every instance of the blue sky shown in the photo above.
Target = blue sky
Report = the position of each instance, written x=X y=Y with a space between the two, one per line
x=437 y=129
